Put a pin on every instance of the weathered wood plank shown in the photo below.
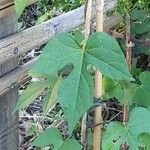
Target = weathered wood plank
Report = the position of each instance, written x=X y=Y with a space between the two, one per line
x=6 y=9
x=8 y=124
x=9 y=137
x=5 y=3
x=40 y=34
x=15 y=77
x=5 y=30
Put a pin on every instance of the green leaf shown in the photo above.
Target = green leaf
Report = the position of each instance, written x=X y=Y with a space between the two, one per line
x=108 y=88
x=20 y=6
x=124 y=92
x=142 y=96
x=125 y=95
x=52 y=136
x=42 y=18
x=145 y=138
x=105 y=54
x=30 y=94
x=52 y=96
x=76 y=91
x=76 y=95
x=142 y=27
x=139 y=121
x=144 y=49
x=139 y=15
x=117 y=134
x=33 y=129
x=78 y=36
x=70 y=144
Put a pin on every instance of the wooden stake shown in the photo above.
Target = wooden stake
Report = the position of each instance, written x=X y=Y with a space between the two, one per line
x=128 y=58
x=129 y=61
x=88 y=17
x=98 y=81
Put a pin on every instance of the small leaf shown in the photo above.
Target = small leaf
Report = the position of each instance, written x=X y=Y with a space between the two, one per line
x=50 y=136
x=142 y=96
x=124 y=92
x=125 y=95
x=30 y=94
x=42 y=18
x=33 y=129
x=108 y=88
x=20 y=6
x=117 y=134
x=145 y=138
x=78 y=36
x=52 y=96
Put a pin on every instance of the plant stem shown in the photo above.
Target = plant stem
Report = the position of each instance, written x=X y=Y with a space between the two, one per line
x=129 y=62
x=128 y=58
x=98 y=82
x=88 y=17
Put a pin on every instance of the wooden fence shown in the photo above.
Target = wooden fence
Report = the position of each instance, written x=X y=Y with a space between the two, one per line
x=13 y=44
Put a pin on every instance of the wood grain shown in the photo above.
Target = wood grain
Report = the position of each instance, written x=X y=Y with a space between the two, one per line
x=9 y=137
x=40 y=34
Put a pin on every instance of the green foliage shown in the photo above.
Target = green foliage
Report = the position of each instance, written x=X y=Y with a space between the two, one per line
x=33 y=129
x=145 y=138
x=31 y=93
x=52 y=136
x=64 y=49
x=140 y=27
x=51 y=97
x=123 y=91
x=34 y=89
x=20 y=6
x=117 y=134
x=142 y=95
x=124 y=6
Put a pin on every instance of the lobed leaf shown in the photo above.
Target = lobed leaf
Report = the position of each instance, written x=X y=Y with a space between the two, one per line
x=117 y=134
x=76 y=91
x=52 y=136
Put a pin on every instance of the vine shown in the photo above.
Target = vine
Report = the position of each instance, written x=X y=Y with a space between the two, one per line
x=74 y=91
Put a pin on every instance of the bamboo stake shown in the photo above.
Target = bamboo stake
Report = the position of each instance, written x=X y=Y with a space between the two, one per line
x=98 y=81
x=88 y=17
